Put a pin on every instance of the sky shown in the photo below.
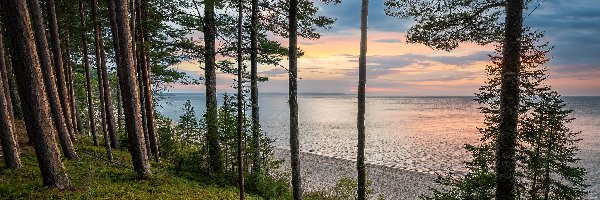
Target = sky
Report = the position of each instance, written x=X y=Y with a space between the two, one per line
x=396 y=68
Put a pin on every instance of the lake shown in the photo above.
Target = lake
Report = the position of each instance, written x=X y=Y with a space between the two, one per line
x=423 y=134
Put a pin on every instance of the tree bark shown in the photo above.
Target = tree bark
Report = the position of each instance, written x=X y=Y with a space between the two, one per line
x=210 y=82
x=146 y=80
x=12 y=91
x=509 y=101
x=254 y=87
x=240 y=102
x=59 y=69
x=5 y=78
x=10 y=147
x=119 y=110
x=137 y=56
x=109 y=127
x=88 y=78
x=29 y=76
x=293 y=101
x=50 y=81
x=129 y=88
x=362 y=81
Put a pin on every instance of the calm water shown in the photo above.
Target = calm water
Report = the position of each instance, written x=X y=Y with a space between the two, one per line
x=424 y=134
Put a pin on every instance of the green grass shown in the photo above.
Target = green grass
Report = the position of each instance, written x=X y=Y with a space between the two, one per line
x=94 y=178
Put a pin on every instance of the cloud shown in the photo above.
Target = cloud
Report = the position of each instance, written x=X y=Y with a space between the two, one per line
x=396 y=68
x=274 y=72
x=574 y=28
x=347 y=14
x=388 y=41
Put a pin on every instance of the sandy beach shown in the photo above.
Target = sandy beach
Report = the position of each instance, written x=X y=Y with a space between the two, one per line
x=320 y=171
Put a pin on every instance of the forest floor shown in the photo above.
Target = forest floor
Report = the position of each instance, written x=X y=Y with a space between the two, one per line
x=92 y=177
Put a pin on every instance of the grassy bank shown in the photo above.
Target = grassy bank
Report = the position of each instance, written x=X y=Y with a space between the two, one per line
x=94 y=178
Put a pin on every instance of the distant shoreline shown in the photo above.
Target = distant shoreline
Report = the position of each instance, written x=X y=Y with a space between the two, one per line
x=346 y=94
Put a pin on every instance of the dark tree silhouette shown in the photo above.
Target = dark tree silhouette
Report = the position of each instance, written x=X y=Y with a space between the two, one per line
x=509 y=101
x=210 y=82
x=240 y=102
x=293 y=101
x=362 y=81
x=29 y=76
x=254 y=86
x=450 y=23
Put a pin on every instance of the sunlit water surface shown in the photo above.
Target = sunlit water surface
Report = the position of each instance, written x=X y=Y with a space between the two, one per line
x=424 y=134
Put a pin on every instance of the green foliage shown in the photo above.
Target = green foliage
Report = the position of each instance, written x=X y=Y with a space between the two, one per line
x=344 y=189
x=94 y=178
x=184 y=150
x=445 y=24
x=272 y=20
x=546 y=148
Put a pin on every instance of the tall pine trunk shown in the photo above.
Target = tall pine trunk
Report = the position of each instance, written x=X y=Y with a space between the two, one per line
x=69 y=78
x=59 y=69
x=13 y=91
x=50 y=81
x=88 y=78
x=210 y=82
x=5 y=77
x=509 y=101
x=10 y=148
x=362 y=81
x=129 y=88
x=293 y=100
x=114 y=32
x=119 y=110
x=146 y=80
x=254 y=87
x=137 y=56
x=240 y=106
x=29 y=76
x=103 y=84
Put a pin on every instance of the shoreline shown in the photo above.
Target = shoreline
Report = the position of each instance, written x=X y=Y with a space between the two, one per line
x=320 y=171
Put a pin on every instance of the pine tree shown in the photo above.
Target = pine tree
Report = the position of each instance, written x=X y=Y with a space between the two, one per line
x=254 y=86
x=50 y=81
x=362 y=81
x=210 y=82
x=542 y=137
x=10 y=147
x=88 y=78
x=445 y=24
x=144 y=66
x=129 y=87
x=240 y=99
x=293 y=101
x=106 y=109
x=59 y=69
x=29 y=76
